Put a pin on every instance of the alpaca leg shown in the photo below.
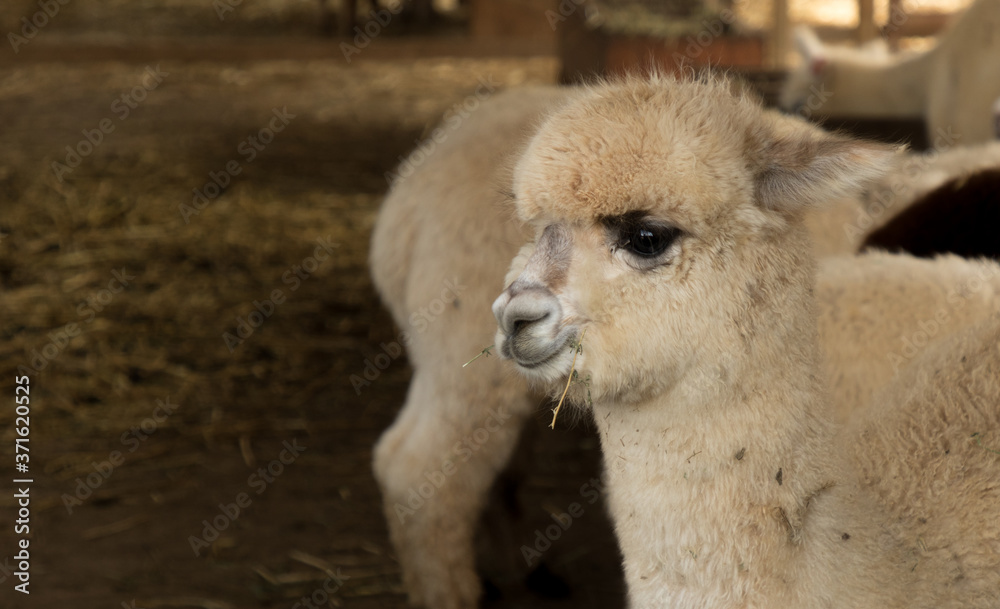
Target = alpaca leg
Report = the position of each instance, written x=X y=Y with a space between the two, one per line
x=436 y=465
x=943 y=130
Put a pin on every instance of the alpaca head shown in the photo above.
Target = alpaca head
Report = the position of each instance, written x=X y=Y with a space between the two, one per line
x=668 y=226
x=808 y=74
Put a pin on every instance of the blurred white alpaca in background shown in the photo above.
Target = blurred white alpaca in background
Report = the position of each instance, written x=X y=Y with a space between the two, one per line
x=953 y=85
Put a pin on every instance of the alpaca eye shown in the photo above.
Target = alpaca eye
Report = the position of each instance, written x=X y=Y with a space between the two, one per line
x=649 y=241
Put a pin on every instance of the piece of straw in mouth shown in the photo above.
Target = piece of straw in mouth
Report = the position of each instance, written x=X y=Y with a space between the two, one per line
x=485 y=352
x=576 y=351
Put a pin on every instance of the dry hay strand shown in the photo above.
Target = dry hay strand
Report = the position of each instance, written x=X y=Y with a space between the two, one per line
x=577 y=350
x=114 y=527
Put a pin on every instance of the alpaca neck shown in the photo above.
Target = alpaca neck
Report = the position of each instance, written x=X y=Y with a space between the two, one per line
x=710 y=482
x=859 y=88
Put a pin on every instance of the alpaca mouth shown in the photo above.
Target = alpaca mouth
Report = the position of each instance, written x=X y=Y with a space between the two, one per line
x=547 y=361
x=532 y=330
x=528 y=353
x=536 y=363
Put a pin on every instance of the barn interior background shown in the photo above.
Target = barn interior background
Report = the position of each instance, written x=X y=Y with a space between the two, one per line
x=187 y=190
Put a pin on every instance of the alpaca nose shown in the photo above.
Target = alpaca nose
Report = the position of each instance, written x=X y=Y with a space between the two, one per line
x=515 y=309
x=529 y=323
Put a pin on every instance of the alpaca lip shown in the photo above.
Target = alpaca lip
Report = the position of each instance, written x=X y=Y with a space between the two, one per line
x=533 y=365
x=547 y=358
x=509 y=350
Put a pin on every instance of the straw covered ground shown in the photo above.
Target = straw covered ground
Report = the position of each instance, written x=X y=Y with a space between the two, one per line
x=123 y=296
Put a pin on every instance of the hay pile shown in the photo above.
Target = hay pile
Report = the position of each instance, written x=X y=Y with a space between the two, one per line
x=116 y=217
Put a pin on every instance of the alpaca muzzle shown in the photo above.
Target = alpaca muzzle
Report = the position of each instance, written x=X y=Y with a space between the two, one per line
x=530 y=329
x=529 y=315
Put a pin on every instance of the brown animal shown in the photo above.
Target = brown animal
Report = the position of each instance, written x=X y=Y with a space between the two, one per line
x=934 y=203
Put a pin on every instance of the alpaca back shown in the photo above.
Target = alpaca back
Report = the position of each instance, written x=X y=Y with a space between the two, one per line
x=879 y=311
x=449 y=225
x=929 y=451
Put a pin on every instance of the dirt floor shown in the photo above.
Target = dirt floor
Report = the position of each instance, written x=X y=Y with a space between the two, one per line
x=118 y=287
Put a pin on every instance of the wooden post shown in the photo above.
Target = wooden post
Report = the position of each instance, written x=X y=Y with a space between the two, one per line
x=346 y=16
x=897 y=16
x=583 y=50
x=866 y=20
x=422 y=10
x=780 y=34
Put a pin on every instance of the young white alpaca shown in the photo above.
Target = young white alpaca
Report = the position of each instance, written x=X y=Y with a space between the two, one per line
x=952 y=85
x=433 y=485
x=849 y=81
x=670 y=238
x=455 y=201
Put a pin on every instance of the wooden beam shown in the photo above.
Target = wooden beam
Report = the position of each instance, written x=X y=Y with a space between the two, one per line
x=923 y=23
x=897 y=17
x=916 y=24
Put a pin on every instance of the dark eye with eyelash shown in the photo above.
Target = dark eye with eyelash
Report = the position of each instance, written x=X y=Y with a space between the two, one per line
x=647 y=240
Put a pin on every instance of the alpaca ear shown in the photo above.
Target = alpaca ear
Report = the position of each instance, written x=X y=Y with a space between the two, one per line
x=805 y=169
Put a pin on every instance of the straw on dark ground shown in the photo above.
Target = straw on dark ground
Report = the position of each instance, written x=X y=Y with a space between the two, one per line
x=162 y=336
